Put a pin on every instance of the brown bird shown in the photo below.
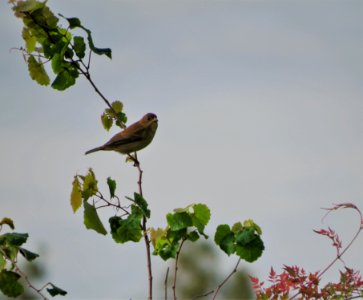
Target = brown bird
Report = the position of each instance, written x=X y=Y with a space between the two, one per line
x=134 y=138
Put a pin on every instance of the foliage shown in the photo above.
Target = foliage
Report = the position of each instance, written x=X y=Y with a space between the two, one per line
x=244 y=240
x=184 y=224
x=295 y=280
x=47 y=41
x=10 y=249
x=50 y=40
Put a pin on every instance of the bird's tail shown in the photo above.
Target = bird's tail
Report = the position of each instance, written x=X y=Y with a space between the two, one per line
x=94 y=150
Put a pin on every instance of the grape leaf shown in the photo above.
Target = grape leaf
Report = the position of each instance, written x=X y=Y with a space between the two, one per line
x=92 y=220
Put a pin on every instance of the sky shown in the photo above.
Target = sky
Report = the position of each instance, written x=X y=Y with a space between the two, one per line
x=260 y=116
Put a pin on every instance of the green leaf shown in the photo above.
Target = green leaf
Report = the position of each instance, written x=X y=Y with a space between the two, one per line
x=179 y=221
x=57 y=62
x=156 y=234
x=117 y=106
x=92 y=220
x=201 y=213
x=107 y=121
x=224 y=238
x=30 y=40
x=79 y=46
x=251 y=250
x=200 y=217
x=121 y=120
x=251 y=224
x=125 y=230
x=37 y=71
x=142 y=204
x=245 y=236
x=73 y=22
x=112 y=186
x=76 y=194
x=46 y=17
x=55 y=291
x=64 y=80
x=7 y=221
x=193 y=236
x=28 y=255
x=99 y=51
x=9 y=284
x=89 y=185
x=13 y=239
x=237 y=227
x=165 y=248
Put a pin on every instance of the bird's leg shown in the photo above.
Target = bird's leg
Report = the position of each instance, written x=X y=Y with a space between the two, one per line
x=134 y=159
x=137 y=164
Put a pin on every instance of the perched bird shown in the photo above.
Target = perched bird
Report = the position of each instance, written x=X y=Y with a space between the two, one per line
x=134 y=138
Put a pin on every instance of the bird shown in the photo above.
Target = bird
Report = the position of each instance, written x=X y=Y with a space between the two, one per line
x=133 y=138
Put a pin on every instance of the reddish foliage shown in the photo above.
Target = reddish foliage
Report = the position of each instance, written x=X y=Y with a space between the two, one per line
x=295 y=281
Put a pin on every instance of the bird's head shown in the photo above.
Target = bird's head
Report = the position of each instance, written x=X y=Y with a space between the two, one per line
x=148 y=119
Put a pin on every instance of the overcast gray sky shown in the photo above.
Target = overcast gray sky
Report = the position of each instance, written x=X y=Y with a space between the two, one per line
x=260 y=116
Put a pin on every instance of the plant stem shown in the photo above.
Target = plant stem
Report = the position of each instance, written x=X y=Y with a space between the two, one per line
x=176 y=268
x=30 y=285
x=166 y=284
x=226 y=279
x=146 y=236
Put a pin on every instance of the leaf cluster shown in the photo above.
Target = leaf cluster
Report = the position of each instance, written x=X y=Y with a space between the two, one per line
x=183 y=224
x=47 y=41
x=114 y=114
x=243 y=240
x=10 y=248
x=125 y=227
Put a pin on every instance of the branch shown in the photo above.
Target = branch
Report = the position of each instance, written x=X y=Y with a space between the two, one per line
x=226 y=279
x=216 y=291
x=166 y=284
x=88 y=77
x=25 y=277
x=109 y=203
x=176 y=268
x=144 y=229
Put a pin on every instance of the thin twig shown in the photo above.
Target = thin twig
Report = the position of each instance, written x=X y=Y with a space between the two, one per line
x=30 y=285
x=88 y=77
x=204 y=295
x=144 y=229
x=216 y=291
x=109 y=203
x=166 y=284
x=176 y=268
x=226 y=279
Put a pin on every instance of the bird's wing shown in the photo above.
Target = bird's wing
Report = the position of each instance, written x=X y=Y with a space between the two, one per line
x=125 y=137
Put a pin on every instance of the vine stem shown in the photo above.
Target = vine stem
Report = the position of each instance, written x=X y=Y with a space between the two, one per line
x=144 y=229
x=176 y=268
